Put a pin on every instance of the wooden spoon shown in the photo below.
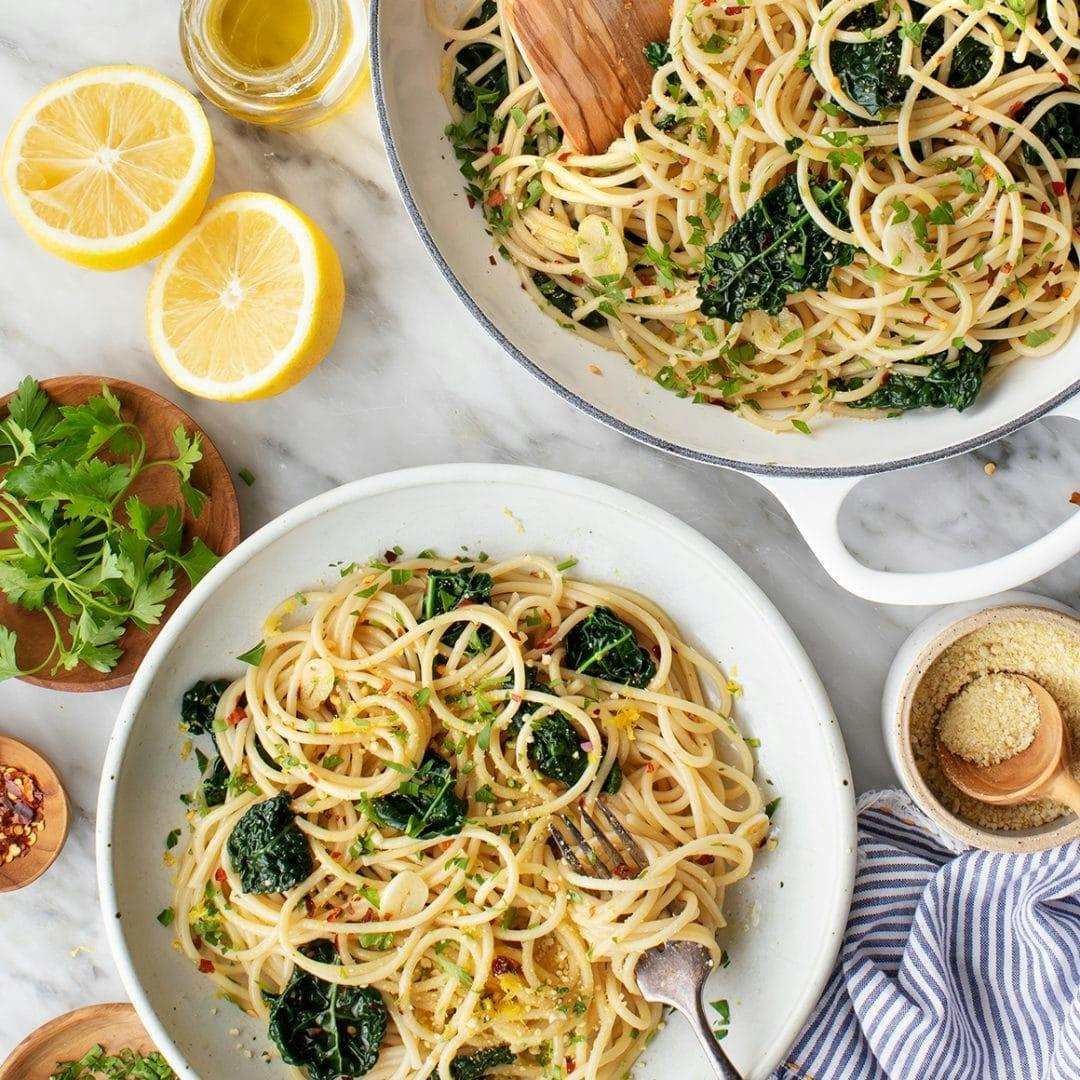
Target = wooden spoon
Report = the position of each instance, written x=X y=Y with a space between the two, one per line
x=1041 y=771
x=587 y=56
x=114 y=1026
x=218 y=525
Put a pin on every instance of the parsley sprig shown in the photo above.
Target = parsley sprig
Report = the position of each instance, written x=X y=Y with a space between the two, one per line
x=74 y=543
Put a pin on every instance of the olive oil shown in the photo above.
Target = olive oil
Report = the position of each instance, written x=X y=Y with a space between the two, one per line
x=287 y=62
x=263 y=35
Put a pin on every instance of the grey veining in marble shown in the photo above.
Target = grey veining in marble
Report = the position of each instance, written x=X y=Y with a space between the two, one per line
x=396 y=392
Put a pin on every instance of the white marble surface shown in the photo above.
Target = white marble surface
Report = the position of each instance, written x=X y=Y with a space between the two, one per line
x=397 y=391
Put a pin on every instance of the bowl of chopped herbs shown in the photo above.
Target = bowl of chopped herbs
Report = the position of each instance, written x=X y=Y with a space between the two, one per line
x=113 y=505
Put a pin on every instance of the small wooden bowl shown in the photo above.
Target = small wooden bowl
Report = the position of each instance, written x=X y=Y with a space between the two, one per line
x=27 y=868
x=218 y=525
x=114 y=1027
x=1017 y=841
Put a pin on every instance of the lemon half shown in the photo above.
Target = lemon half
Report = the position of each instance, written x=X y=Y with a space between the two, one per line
x=108 y=168
x=248 y=303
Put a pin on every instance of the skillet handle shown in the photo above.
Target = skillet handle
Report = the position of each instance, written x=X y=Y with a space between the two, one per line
x=814 y=505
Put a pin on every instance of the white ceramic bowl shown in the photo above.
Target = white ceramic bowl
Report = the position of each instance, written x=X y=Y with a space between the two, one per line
x=811 y=476
x=787 y=919
x=921 y=648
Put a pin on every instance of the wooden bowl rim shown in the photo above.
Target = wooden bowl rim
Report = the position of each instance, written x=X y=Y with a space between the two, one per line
x=57 y=814
x=226 y=492
x=1018 y=841
x=90 y=1016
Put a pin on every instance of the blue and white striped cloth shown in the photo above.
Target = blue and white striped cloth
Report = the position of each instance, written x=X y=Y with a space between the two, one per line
x=956 y=964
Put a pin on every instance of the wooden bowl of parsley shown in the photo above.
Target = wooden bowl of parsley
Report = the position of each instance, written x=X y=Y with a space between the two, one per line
x=113 y=505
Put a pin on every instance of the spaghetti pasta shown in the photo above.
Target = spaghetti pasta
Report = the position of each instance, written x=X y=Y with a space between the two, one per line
x=942 y=124
x=492 y=684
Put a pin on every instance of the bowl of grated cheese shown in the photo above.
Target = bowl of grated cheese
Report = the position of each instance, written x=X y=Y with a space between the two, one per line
x=954 y=680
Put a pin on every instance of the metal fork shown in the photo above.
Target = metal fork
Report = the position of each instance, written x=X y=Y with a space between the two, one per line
x=672 y=974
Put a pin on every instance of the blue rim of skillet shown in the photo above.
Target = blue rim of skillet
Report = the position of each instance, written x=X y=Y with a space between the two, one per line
x=636 y=433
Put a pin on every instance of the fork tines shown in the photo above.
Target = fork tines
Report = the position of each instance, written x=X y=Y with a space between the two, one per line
x=627 y=862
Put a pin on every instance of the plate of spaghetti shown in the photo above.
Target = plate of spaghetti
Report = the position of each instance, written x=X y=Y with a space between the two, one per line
x=359 y=879
x=837 y=239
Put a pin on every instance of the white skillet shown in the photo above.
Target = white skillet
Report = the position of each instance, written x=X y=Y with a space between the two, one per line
x=811 y=476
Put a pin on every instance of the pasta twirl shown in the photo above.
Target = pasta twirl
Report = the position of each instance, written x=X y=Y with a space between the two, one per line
x=496 y=677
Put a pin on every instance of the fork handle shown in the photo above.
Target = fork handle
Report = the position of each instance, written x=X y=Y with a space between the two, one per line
x=695 y=1014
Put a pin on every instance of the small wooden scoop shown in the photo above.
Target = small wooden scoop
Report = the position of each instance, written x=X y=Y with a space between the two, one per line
x=1042 y=771
x=588 y=57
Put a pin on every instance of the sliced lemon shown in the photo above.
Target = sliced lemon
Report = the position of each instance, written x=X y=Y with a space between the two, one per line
x=110 y=167
x=248 y=302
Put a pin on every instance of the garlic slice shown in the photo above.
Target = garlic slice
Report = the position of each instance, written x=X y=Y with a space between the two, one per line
x=316 y=682
x=600 y=249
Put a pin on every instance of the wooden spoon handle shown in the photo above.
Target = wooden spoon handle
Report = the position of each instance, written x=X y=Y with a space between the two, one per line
x=1065 y=788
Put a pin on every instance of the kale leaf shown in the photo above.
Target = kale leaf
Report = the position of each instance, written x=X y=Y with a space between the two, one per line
x=211 y=792
x=555 y=751
x=775 y=249
x=199 y=703
x=565 y=302
x=475 y=1066
x=267 y=848
x=970 y=60
x=946 y=385
x=869 y=71
x=604 y=646
x=333 y=1032
x=450 y=589
x=478 y=99
x=426 y=805
x=658 y=53
x=1059 y=130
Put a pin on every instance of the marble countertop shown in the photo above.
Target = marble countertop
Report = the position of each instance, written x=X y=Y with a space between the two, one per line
x=344 y=422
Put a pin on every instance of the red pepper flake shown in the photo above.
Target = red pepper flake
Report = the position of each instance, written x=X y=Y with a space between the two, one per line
x=334 y=915
x=1063 y=77
x=1044 y=207
x=22 y=817
x=491 y=259
x=497 y=149
x=734 y=10
x=668 y=294
x=622 y=871
x=650 y=766
x=1016 y=107
x=571 y=1065
x=389 y=556
x=503 y=965
x=385 y=688
x=234 y=718
x=471 y=202
x=647 y=278
x=564 y=157
x=368 y=916
x=1058 y=186
x=1007 y=268
x=576 y=279
x=206 y=967
x=496 y=198
x=220 y=876
x=683 y=159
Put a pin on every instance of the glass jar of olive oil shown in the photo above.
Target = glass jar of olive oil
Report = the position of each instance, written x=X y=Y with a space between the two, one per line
x=287 y=62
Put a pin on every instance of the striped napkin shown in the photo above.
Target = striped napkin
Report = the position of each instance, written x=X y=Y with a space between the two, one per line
x=956 y=964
